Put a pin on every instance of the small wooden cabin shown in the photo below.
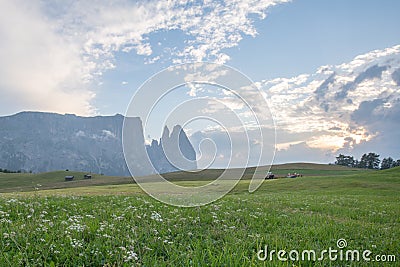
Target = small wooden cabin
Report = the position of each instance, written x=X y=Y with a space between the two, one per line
x=87 y=176
x=69 y=178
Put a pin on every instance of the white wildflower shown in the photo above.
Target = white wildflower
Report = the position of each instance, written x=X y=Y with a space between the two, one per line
x=75 y=243
x=130 y=255
x=156 y=216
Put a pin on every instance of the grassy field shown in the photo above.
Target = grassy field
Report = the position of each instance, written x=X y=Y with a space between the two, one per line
x=19 y=182
x=119 y=225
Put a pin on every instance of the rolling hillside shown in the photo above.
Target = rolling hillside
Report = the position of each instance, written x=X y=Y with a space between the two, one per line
x=303 y=214
x=16 y=182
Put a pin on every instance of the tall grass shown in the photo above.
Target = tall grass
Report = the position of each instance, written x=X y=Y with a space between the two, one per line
x=50 y=228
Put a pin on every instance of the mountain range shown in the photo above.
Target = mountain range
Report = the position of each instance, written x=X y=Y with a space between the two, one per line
x=40 y=142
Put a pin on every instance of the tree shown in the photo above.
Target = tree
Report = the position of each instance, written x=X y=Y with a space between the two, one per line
x=356 y=163
x=396 y=163
x=369 y=161
x=362 y=163
x=374 y=161
x=387 y=163
x=344 y=160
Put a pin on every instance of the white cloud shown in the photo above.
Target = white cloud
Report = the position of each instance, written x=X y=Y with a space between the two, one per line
x=349 y=108
x=39 y=69
x=144 y=49
x=324 y=105
x=209 y=27
x=52 y=50
x=108 y=134
x=286 y=145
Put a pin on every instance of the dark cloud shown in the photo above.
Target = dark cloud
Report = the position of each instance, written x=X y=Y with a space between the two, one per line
x=335 y=129
x=369 y=74
x=365 y=112
x=381 y=121
x=321 y=91
x=396 y=76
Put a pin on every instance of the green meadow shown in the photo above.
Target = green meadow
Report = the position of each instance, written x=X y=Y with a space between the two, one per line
x=109 y=221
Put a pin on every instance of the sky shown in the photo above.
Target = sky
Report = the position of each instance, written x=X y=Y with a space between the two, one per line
x=90 y=58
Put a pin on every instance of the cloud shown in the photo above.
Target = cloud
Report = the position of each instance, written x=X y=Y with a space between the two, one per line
x=287 y=145
x=314 y=125
x=52 y=51
x=302 y=152
x=207 y=27
x=39 y=69
x=341 y=108
x=231 y=148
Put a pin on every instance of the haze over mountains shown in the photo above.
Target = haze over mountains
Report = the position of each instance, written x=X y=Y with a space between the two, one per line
x=39 y=142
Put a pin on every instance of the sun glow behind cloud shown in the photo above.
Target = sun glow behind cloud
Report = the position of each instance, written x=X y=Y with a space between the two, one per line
x=323 y=109
x=73 y=43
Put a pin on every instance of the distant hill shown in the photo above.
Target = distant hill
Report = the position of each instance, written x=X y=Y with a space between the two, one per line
x=42 y=142
x=14 y=182
x=311 y=166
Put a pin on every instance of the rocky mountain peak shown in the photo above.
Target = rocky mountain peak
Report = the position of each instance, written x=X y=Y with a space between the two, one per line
x=39 y=142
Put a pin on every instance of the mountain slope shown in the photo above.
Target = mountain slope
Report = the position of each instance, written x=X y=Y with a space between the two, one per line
x=40 y=142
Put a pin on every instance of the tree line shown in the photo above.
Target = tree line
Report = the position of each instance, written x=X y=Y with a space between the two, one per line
x=9 y=171
x=367 y=161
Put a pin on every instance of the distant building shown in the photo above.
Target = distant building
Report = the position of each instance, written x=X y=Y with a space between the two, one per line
x=69 y=178
x=270 y=175
x=87 y=176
